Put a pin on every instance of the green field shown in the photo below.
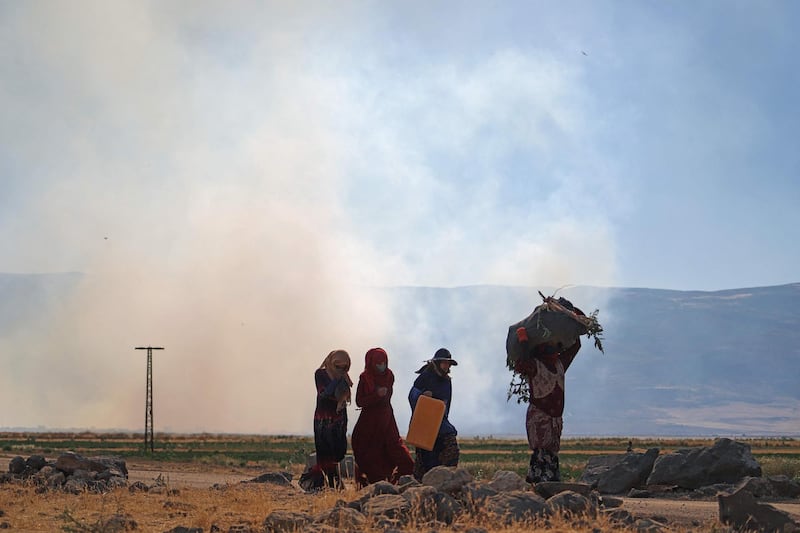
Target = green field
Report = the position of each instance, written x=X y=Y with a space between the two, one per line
x=481 y=456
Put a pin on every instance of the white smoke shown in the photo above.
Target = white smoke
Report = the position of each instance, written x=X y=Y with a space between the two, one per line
x=232 y=182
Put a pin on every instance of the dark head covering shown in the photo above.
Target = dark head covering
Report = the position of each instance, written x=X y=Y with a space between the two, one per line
x=442 y=354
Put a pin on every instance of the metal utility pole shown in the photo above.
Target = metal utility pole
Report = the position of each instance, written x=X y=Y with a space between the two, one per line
x=148 y=407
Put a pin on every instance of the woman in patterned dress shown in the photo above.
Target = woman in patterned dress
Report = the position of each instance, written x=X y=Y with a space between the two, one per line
x=545 y=374
x=330 y=421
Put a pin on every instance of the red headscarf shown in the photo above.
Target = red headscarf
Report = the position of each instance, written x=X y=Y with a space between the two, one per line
x=372 y=378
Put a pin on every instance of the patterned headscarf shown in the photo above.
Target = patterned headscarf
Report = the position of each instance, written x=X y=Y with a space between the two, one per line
x=335 y=359
x=371 y=377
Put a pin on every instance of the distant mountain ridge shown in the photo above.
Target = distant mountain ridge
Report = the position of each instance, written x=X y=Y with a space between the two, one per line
x=691 y=363
x=675 y=362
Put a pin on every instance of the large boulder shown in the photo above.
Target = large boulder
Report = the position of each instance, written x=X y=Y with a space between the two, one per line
x=727 y=461
x=631 y=472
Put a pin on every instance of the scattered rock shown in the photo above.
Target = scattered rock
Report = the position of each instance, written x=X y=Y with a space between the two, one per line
x=516 y=506
x=474 y=494
x=741 y=510
x=548 y=489
x=770 y=487
x=16 y=466
x=274 y=478
x=387 y=505
x=284 y=521
x=571 y=503
x=448 y=479
x=343 y=518
x=610 y=502
x=119 y=522
x=505 y=481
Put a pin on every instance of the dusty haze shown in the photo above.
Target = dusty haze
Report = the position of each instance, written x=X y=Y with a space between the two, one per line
x=232 y=185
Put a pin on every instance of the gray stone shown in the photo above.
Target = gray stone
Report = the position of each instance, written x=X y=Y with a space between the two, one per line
x=597 y=466
x=547 y=489
x=772 y=487
x=75 y=486
x=630 y=472
x=138 y=486
x=474 y=494
x=648 y=525
x=35 y=463
x=742 y=511
x=417 y=496
x=516 y=506
x=610 y=502
x=449 y=479
x=619 y=516
x=407 y=482
x=284 y=521
x=505 y=481
x=343 y=518
x=83 y=475
x=727 y=461
x=119 y=522
x=428 y=505
x=388 y=505
x=571 y=503
x=56 y=480
x=273 y=478
x=16 y=466
x=382 y=487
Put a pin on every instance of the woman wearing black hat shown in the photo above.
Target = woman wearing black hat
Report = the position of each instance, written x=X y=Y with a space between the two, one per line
x=434 y=381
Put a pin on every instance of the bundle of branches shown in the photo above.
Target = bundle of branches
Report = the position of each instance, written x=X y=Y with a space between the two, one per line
x=556 y=323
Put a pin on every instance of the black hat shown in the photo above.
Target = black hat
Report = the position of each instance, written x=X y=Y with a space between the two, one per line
x=443 y=354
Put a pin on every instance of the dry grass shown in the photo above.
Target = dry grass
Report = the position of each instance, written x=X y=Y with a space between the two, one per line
x=234 y=505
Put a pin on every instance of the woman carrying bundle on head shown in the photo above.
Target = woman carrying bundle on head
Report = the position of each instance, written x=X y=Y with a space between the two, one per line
x=379 y=451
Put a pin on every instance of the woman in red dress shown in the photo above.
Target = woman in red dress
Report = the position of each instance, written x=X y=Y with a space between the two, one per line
x=379 y=451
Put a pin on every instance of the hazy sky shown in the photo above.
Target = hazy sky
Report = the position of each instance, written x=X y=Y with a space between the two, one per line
x=228 y=174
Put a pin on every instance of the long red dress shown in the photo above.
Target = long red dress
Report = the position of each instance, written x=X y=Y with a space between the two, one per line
x=378 y=449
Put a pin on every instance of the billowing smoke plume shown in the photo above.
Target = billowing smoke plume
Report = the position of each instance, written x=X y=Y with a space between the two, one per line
x=233 y=185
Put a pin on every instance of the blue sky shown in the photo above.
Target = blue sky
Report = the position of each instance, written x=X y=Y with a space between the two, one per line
x=277 y=152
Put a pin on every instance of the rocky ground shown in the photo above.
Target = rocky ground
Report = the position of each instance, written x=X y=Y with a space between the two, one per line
x=677 y=511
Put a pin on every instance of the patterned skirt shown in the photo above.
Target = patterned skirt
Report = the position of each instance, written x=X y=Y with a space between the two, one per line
x=445 y=453
x=544 y=440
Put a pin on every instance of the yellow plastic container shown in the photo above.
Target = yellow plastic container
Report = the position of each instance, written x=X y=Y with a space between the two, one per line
x=425 y=422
